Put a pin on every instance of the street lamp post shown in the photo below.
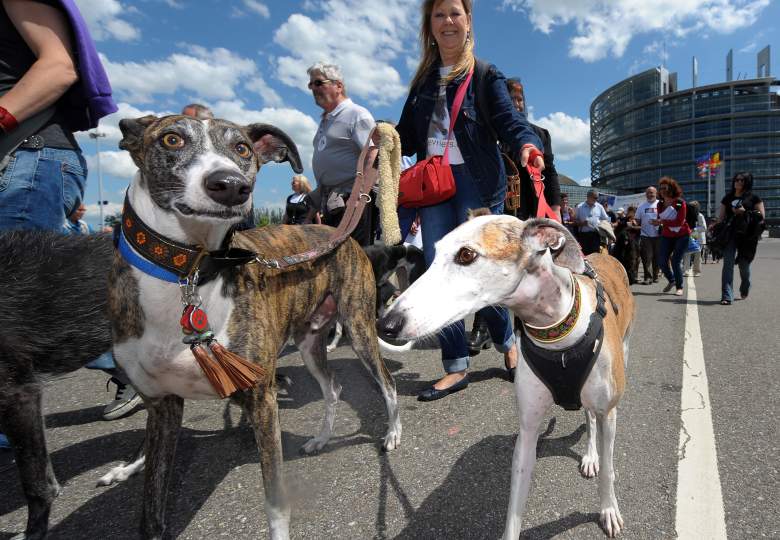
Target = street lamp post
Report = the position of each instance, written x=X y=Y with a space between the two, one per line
x=97 y=135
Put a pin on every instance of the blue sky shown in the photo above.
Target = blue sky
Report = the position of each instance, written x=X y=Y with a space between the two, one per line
x=247 y=59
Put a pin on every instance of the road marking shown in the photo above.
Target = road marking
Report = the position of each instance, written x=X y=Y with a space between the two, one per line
x=699 y=499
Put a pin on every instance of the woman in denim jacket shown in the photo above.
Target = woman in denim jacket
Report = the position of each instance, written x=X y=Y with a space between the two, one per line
x=447 y=42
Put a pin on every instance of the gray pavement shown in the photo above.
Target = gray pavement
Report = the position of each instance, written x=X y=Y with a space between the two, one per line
x=450 y=477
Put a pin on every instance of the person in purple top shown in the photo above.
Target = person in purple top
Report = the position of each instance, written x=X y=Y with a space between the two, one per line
x=52 y=84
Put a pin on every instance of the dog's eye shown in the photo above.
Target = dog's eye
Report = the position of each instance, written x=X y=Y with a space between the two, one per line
x=465 y=256
x=243 y=150
x=172 y=141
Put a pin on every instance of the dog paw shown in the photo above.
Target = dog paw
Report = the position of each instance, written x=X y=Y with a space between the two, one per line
x=121 y=473
x=589 y=466
x=313 y=445
x=611 y=521
x=392 y=441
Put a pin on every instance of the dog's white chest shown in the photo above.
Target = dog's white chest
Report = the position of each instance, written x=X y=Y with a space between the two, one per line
x=159 y=363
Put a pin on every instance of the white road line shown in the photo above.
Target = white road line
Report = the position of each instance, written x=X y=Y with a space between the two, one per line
x=699 y=499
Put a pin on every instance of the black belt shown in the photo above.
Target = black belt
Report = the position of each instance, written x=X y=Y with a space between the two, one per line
x=34 y=142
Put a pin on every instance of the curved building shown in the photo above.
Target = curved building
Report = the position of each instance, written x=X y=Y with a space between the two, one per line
x=643 y=128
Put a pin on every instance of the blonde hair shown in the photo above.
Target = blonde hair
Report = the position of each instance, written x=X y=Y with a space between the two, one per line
x=430 y=51
x=303 y=182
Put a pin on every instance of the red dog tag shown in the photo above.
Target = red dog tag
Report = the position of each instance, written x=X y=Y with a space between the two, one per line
x=199 y=322
x=186 y=326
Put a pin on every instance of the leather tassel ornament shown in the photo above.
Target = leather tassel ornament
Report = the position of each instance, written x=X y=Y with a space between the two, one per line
x=217 y=376
x=242 y=373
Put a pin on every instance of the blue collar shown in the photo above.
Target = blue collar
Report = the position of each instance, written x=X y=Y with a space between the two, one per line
x=144 y=265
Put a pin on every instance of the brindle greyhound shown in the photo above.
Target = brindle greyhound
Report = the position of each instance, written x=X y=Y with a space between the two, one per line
x=194 y=183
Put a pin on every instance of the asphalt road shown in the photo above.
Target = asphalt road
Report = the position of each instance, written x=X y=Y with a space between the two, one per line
x=450 y=477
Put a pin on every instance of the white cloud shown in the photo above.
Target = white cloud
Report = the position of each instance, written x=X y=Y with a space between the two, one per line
x=587 y=181
x=257 y=7
x=104 y=22
x=206 y=73
x=606 y=27
x=358 y=36
x=268 y=94
x=93 y=210
x=116 y=163
x=570 y=135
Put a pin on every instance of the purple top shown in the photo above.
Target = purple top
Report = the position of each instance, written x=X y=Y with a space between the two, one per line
x=89 y=99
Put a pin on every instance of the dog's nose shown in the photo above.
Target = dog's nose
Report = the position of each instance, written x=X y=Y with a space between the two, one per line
x=228 y=188
x=391 y=324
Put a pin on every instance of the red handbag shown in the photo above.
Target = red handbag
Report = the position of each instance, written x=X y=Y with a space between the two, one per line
x=430 y=181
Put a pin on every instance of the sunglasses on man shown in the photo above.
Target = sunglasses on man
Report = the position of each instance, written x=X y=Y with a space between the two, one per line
x=320 y=82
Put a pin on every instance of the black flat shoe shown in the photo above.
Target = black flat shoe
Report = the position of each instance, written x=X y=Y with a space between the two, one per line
x=432 y=393
x=478 y=339
x=510 y=373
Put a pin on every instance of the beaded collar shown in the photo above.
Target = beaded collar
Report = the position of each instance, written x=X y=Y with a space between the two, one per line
x=561 y=329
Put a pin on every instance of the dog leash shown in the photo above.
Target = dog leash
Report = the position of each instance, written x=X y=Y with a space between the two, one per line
x=542 y=208
x=365 y=178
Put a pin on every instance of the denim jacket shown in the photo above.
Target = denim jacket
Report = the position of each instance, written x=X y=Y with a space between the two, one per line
x=474 y=135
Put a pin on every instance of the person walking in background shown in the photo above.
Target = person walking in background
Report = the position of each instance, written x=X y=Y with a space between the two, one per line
x=744 y=214
x=52 y=84
x=587 y=217
x=626 y=248
x=298 y=204
x=479 y=337
x=646 y=215
x=447 y=60
x=343 y=131
x=567 y=213
x=74 y=224
x=698 y=225
x=675 y=234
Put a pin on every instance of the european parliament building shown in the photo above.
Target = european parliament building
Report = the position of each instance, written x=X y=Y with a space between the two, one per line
x=644 y=127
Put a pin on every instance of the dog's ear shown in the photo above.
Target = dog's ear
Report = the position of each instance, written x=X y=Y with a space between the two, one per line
x=543 y=234
x=133 y=134
x=273 y=144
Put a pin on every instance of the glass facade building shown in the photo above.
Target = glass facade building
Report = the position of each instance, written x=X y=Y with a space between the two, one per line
x=644 y=127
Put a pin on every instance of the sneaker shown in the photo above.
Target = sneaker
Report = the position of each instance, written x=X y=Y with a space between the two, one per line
x=669 y=286
x=125 y=401
x=696 y=274
x=688 y=273
x=678 y=292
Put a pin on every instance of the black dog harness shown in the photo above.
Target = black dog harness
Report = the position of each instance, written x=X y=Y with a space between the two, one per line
x=564 y=372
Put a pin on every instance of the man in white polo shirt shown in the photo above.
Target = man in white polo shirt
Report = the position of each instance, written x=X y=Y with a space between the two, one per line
x=343 y=130
x=648 y=235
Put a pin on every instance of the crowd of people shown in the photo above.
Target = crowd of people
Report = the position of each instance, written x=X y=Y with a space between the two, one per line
x=52 y=84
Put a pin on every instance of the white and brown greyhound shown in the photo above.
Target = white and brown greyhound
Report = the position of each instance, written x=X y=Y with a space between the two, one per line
x=575 y=322
x=194 y=184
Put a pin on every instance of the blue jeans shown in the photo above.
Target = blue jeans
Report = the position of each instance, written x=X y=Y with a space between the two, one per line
x=40 y=188
x=437 y=221
x=674 y=248
x=727 y=273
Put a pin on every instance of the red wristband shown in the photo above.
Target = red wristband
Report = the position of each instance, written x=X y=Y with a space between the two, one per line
x=7 y=121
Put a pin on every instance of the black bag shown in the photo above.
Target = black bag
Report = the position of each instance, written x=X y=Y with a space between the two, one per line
x=719 y=236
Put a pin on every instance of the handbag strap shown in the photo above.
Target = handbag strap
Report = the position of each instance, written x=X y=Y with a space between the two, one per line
x=457 y=102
